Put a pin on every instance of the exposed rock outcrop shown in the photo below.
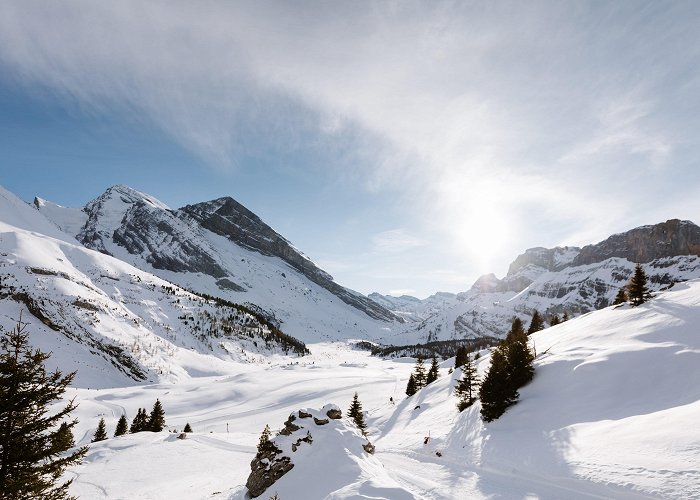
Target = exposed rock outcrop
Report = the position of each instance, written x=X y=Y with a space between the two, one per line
x=646 y=243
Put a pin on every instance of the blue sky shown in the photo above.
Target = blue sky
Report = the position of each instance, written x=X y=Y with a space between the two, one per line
x=404 y=146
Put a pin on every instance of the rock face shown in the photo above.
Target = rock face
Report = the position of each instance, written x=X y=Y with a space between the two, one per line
x=644 y=244
x=277 y=457
x=228 y=218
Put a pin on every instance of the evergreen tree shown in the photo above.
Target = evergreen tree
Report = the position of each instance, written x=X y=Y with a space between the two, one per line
x=101 y=432
x=188 y=428
x=495 y=392
x=433 y=372
x=264 y=441
x=565 y=317
x=140 y=421
x=467 y=386
x=621 y=297
x=638 y=291
x=536 y=324
x=519 y=358
x=122 y=427
x=32 y=445
x=419 y=373
x=462 y=356
x=411 y=388
x=63 y=439
x=355 y=413
x=511 y=368
x=516 y=327
x=554 y=320
x=156 y=421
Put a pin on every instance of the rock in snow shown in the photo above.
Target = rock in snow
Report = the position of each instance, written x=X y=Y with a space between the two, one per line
x=335 y=443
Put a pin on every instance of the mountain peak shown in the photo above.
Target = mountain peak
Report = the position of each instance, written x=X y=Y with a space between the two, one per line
x=128 y=195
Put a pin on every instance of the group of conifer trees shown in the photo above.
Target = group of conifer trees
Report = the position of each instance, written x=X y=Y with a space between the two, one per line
x=155 y=422
x=420 y=378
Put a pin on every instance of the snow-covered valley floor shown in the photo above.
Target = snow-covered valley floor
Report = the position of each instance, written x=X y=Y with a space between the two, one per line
x=613 y=412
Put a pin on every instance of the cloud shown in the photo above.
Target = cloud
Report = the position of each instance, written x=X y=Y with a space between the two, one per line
x=396 y=241
x=497 y=125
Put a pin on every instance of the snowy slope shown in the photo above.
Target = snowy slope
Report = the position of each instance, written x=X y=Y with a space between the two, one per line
x=611 y=413
x=112 y=322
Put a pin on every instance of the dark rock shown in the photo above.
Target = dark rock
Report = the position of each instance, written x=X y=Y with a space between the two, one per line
x=368 y=447
x=267 y=467
x=320 y=421
x=645 y=243
x=289 y=427
x=303 y=414
x=334 y=414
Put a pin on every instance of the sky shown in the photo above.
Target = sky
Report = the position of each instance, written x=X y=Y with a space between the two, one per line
x=405 y=147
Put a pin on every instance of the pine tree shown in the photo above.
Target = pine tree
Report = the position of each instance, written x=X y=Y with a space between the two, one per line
x=462 y=356
x=411 y=388
x=638 y=291
x=122 y=427
x=536 y=324
x=101 y=432
x=264 y=441
x=554 y=320
x=355 y=413
x=433 y=372
x=63 y=439
x=621 y=297
x=188 y=428
x=495 y=392
x=33 y=447
x=519 y=358
x=140 y=422
x=511 y=368
x=156 y=422
x=419 y=373
x=565 y=317
x=467 y=386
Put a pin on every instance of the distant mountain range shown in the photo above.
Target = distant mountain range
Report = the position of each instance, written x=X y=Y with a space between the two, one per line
x=553 y=281
x=131 y=285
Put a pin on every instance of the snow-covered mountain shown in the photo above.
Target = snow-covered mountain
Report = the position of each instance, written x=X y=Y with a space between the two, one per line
x=554 y=281
x=222 y=249
x=113 y=323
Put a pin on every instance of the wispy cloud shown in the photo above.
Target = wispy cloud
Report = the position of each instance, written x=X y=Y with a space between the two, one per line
x=396 y=241
x=499 y=124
